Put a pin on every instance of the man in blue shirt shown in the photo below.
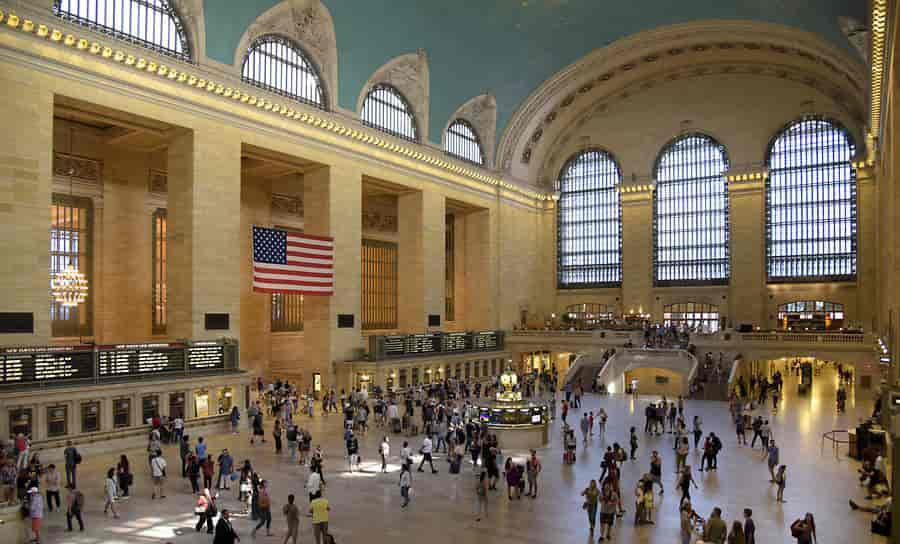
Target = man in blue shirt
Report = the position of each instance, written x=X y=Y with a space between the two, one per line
x=201 y=448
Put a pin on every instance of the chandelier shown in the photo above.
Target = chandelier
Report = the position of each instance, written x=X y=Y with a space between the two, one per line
x=69 y=287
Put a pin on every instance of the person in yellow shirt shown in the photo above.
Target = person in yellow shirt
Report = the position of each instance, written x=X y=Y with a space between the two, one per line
x=319 y=509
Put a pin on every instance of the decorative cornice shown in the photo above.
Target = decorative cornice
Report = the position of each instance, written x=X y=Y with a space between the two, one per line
x=187 y=75
x=879 y=40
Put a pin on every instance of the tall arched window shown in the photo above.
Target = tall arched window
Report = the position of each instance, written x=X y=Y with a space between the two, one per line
x=385 y=108
x=589 y=222
x=278 y=64
x=153 y=24
x=690 y=213
x=462 y=142
x=811 y=203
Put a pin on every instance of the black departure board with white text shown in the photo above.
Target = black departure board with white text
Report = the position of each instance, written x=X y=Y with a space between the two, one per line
x=412 y=345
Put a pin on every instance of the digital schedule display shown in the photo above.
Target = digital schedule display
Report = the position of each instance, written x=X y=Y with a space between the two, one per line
x=411 y=345
x=136 y=359
x=206 y=356
x=66 y=363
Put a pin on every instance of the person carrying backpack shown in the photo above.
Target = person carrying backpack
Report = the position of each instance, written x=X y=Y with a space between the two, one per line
x=73 y=459
x=74 y=507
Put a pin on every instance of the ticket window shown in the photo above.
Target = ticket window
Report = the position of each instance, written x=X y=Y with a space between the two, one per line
x=494 y=365
x=389 y=382
x=57 y=421
x=224 y=400
x=484 y=368
x=201 y=403
x=458 y=371
x=21 y=421
x=176 y=405
x=317 y=382
x=403 y=381
x=468 y=370
x=149 y=408
x=477 y=369
x=363 y=382
x=121 y=413
x=415 y=376
x=90 y=416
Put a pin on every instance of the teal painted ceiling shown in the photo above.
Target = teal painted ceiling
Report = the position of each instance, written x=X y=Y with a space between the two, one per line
x=504 y=47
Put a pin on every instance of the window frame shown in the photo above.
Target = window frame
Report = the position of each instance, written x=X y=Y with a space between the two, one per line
x=469 y=142
x=695 y=308
x=309 y=70
x=696 y=179
x=379 y=304
x=406 y=110
x=286 y=312
x=165 y=9
x=159 y=257
x=449 y=267
x=85 y=415
x=598 y=193
x=852 y=201
x=80 y=319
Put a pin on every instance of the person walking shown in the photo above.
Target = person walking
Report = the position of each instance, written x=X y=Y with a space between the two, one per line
x=109 y=494
x=74 y=506
x=124 y=475
x=292 y=436
x=533 y=469
x=685 y=511
x=481 y=489
x=684 y=483
x=609 y=507
x=426 y=450
x=263 y=509
x=194 y=469
x=184 y=451
x=749 y=527
x=36 y=513
x=405 y=483
x=158 y=473
x=736 y=535
x=585 y=427
x=225 y=533
x=292 y=517
x=208 y=467
x=235 y=418
x=51 y=484
x=319 y=509
x=601 y=425
x=72 y=460
x=385 y=451
x=656 y=471
x=773 y=458
x=633 y=442
x=205 y=510
x=698 y=431
x=591 y=496
x=277 y=433
x=781 y=482
x=804 y=530
x=715 y=530
x=681 y=455
x=226 y=468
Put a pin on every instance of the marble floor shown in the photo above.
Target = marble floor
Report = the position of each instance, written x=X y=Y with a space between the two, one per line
x=366 y=505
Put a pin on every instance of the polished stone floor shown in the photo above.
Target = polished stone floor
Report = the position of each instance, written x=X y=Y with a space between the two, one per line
x=366 y=506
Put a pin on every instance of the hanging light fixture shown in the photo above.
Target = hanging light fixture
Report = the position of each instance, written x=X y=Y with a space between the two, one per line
x=69 y=287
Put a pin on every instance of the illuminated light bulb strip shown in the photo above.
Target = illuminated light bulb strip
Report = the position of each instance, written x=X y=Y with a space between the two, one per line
x=640 y=188
x=879 y=29
x=748 y=177
x=146 y=65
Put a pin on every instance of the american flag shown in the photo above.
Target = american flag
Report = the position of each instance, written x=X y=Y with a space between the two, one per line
x=292 y=262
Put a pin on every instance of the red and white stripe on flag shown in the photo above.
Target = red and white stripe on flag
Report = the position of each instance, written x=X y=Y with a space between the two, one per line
x=292 y=262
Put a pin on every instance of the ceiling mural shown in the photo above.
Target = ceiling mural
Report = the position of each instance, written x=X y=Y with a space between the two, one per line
x=506 y=48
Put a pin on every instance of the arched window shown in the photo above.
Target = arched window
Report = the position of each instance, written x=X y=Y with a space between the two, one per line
x=811 y=315
x=696 y=316
x=153 y=24
x=690 y=213
x=589 y=222
x=462 y=142
x=385 y=108
x=277 y=64
x=811 y=203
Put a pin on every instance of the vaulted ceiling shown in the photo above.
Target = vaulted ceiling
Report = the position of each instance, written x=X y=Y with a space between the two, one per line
x=504 y=47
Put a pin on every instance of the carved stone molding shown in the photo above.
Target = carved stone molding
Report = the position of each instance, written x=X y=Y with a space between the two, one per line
x=309 y=24
x=700 y=41
x=378 y=221
x=408 y=74
x=81 y=168
x=158 y=181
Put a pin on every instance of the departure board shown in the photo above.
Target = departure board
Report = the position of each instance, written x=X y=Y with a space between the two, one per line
x=206 y=356
x=125 y=360
x=64 y=363
x=412 y=345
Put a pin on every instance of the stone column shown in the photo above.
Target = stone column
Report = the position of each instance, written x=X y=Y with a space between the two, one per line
x=332 y=204
x=747 y=298
x=480 y=270
x=25 y=189
x=637 y=252
x=204 y=210
x=421 y=226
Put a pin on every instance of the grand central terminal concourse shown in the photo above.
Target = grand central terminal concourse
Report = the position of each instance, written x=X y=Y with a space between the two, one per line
x=409 y=271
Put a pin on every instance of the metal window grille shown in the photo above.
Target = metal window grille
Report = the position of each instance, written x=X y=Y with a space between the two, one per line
x=153 y=24
x=589 y=222
x=287 y=312
x=71 y=224
x=449 y=270
x=463 y=143
x=811 y=203
x=379 y=285
x=690 y=213
x=811 y=315
x=279 y=65
x=695 y=315
x=385 y=108
x=160 y=270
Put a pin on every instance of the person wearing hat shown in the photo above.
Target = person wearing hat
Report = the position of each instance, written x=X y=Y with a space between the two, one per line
x=35 y=512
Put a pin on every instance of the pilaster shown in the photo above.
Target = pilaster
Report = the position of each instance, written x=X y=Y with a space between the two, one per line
x=421 y=224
